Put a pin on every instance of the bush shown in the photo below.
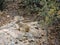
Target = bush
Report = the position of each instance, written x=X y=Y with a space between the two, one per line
x=45 y=9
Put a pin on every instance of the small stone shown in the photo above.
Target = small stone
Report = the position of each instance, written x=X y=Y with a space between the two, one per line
x=36 y=28
x=17 y=18
x=24 y=38
x=31 y=40
x=8 y=15
x=16 y=42
x=26 y=41
x=17 y=26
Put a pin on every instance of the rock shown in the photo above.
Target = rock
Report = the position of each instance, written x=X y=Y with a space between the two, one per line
x=18 y=18
x=18 y=32
x=8 y=16
x=17 y=26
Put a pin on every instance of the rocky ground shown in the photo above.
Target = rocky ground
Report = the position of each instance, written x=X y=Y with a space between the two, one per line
x=18 y=32
x=17 y=27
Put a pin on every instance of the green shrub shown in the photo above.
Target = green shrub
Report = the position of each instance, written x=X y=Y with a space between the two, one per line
x=44 y=8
